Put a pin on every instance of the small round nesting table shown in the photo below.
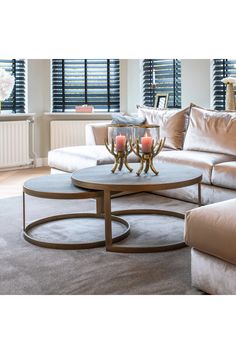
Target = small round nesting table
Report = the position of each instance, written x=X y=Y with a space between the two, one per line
x=171 y=176
x=60 y=186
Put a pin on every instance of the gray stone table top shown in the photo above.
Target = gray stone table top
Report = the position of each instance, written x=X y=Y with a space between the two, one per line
x=170 y=176
x=58 y=186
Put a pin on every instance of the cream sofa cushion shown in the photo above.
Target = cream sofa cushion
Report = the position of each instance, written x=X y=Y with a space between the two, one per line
x=74 y=158
x=96 y=133
x=202 y=160
x=211 y=131
x=211 y=229
x=224 y=175
x=172 y=122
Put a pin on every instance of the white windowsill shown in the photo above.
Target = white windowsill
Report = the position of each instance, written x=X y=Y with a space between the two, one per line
x=82 y=116
x=15 y=116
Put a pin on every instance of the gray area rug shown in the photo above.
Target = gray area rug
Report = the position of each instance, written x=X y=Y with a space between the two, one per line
x=28 y=269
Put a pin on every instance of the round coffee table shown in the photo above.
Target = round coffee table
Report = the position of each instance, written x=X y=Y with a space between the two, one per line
x=170 y=177
x=60 y=186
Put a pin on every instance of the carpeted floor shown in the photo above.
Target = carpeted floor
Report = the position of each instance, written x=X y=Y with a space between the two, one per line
x=28 y=269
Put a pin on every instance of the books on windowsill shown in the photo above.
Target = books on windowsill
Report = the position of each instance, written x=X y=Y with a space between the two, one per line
x=84 y=109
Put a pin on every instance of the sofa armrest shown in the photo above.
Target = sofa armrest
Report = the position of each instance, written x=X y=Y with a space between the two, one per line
x=96 y=133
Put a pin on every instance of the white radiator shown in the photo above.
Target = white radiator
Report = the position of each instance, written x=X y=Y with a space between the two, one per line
x=65 y=133
x=14 y=144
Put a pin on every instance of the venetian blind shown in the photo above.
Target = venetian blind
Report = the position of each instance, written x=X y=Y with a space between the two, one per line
x=16 y=102
x=167 y=78
x=93 y=82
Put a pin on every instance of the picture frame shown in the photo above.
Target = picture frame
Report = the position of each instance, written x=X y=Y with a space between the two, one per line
x=161 y=100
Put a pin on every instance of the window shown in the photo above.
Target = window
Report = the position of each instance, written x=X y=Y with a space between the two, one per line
x=93 y=82
x=167 y=73
x=221 y=68
x=16 y=102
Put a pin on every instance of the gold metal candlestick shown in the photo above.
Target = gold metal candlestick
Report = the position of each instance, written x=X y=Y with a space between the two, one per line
x=146 y=158
x=121 y=157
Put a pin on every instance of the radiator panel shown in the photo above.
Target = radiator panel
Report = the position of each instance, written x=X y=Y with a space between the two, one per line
x=68 y=133
x=14 y=144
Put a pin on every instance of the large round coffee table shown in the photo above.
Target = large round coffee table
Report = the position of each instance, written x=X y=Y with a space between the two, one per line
x=170 y=177
x=59 y=186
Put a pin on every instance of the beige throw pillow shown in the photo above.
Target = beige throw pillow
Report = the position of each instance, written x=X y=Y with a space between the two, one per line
x=172 y=122
x=211 y=131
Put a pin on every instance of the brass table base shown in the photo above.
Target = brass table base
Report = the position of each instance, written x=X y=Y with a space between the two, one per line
x=146 y=249
x=72 y=246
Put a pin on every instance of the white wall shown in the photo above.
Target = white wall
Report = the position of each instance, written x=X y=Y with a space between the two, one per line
x=39 y=101
x=195 y=88
x=123 y=84
x=130 y=84
x=134 y=87
x=196 y=82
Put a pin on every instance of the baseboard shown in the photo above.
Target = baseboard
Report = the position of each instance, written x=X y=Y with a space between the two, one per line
x=14 y=168
x=41 y=161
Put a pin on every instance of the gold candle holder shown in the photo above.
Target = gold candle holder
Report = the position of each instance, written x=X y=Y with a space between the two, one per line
x=121 y=157
x=146 y=158
x=118 y=143
x=149 y=148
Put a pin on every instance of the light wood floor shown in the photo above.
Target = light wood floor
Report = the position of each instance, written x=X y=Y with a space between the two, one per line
x=11 y=182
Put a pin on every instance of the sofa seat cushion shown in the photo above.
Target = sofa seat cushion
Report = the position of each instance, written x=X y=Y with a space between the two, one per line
x=204 y=161
x=74 y=158
x=211 y=229
x=224 y=175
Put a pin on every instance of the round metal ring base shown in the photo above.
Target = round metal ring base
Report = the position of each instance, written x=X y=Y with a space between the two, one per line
x=148 y=249
x=73 y=246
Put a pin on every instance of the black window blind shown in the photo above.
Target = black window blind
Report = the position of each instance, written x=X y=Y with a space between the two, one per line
x=93 y=82
x=167 y=79
x=16 y=102
x=221 y=68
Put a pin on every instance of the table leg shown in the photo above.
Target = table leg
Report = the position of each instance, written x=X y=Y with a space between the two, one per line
x=108 y=221
x=100 y=205
x=23 y=211
x=199 y=195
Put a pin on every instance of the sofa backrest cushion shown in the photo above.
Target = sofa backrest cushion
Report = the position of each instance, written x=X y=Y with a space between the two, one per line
x=96 y=133
x=119 y=118
x=172 y=122
x=211 y=131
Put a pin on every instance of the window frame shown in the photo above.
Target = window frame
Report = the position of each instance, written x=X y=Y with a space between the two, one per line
x=149 y=92
x=221 y=68
x=59 y=98
x=16 y=103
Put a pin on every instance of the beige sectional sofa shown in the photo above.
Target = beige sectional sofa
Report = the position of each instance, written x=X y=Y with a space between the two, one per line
x=195 y=137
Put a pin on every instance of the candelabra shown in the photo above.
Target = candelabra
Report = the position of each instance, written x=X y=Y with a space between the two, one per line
x=121 y=157
x=118 y=144
x=146 y=158
x=144 y=140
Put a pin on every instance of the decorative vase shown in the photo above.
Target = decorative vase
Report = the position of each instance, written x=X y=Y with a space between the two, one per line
x=230 y=99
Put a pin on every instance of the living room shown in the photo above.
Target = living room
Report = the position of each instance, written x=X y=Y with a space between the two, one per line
x=117 y=177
